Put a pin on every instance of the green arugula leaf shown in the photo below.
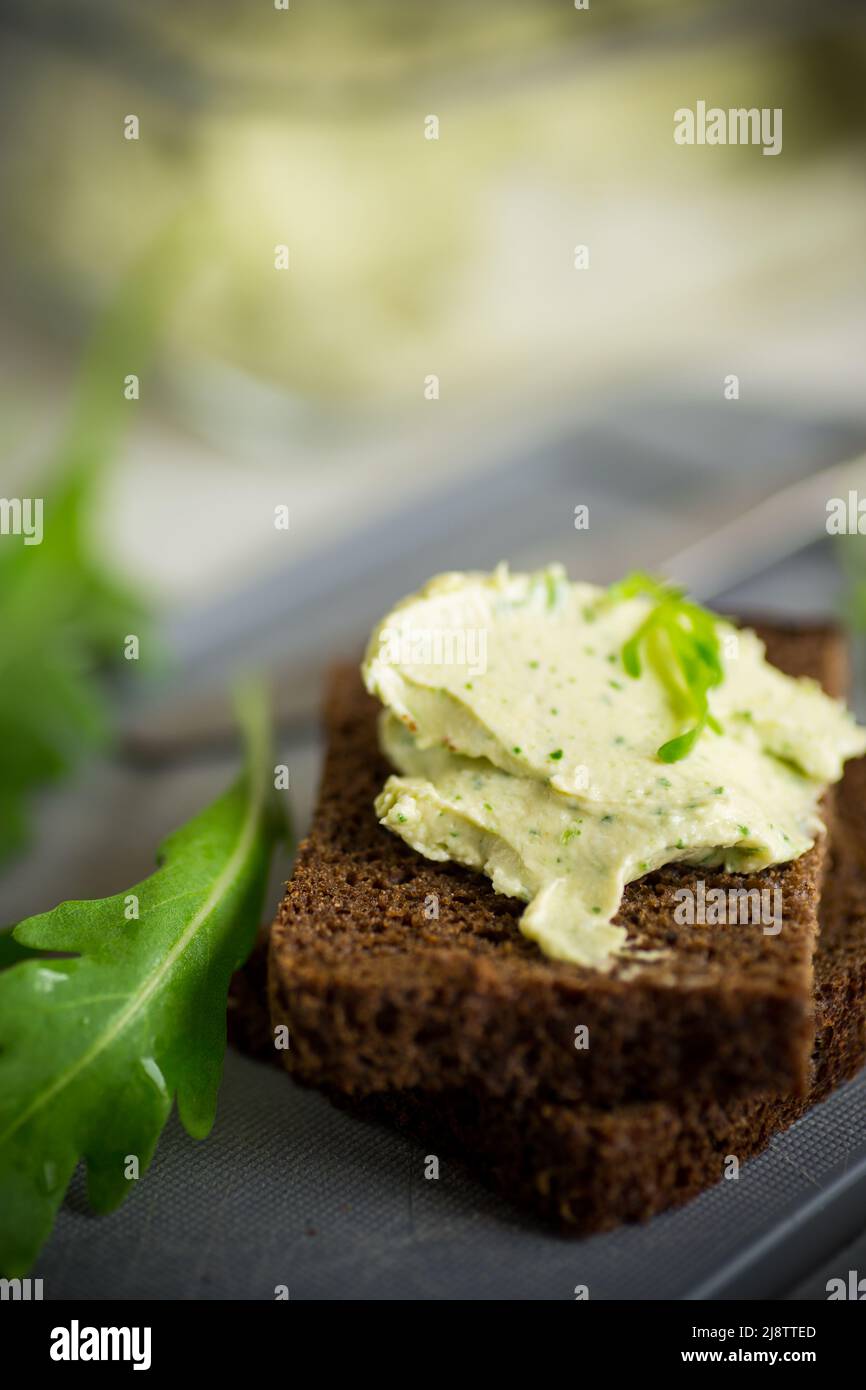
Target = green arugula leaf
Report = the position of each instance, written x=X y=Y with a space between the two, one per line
x=680 y=641
x=94 y=1049
x=63 y=617
x=60 y=618
x=11 y=951
x=850 y=550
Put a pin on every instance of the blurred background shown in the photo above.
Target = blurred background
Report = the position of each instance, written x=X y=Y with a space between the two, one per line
x=309 y=387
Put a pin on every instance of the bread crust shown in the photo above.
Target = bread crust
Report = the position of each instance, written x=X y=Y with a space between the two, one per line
x=377 y=996
x=587 y=1169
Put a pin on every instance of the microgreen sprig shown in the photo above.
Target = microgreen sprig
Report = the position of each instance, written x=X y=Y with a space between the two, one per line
x=680 y=641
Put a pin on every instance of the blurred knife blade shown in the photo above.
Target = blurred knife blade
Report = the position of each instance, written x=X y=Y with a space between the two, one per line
x=314 y=627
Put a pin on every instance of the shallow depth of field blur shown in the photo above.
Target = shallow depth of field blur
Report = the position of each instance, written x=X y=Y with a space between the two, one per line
x=408 y=256
x=432 y=383
x=411 y=258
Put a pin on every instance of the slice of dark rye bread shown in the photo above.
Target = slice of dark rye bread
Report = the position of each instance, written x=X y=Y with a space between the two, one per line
x=588 y=1169
x=378 y=997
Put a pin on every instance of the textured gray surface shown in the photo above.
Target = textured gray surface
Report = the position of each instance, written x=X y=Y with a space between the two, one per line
x=853 y=1256
x=290 y=1191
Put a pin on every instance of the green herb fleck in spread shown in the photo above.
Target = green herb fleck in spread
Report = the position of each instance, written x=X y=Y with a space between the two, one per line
x=581 y=807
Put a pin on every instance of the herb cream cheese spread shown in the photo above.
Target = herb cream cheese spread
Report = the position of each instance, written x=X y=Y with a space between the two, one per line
x=526 y=748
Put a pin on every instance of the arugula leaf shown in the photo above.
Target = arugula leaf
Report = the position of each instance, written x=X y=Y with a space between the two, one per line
x=60 y=618
x=681 y=643
x=11 y=951
x=63 y=617
x=851 y=553
x=94 y=1049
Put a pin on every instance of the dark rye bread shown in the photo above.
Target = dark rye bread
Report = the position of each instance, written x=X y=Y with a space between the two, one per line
x=248 y=1019
x=588 y=1169
x=377 y=997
